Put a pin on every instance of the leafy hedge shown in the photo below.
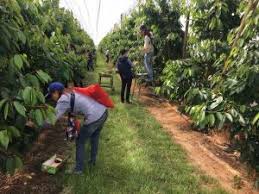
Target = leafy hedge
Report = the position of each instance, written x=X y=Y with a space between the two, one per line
x=161 y=18
x=39 y=43
x=217 y=82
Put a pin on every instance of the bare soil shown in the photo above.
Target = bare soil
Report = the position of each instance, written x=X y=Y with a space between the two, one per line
x=207 y=151
x=31 y=179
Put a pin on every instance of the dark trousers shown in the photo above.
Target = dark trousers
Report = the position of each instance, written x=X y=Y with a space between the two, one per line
x=92 y=132
x=107 y=59
x=90 y=65
x=125 y=85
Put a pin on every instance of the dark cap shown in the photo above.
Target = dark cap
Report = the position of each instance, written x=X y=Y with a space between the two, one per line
x=142 y=27
x=55 y=86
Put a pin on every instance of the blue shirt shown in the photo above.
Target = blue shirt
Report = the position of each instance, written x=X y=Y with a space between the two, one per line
x=91 y=109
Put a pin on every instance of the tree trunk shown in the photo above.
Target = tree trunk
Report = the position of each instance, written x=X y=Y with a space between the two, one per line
x=185 y=40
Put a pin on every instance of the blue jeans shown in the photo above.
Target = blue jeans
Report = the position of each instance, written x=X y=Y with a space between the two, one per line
x=148 y=65
x=90 y=131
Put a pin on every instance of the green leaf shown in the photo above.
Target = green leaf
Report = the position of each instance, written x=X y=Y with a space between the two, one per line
x=213 y=23
x=233 y=112
x=22 y=37
x=4 y=138
x=187 y=109
x=241 y=120
x=40 y=97
x=6 y=110
x=14 y=131
x=215 y=103
x=25 y=60
x=222 y=121
x=202 y=114
x=211 y=119
x=39 y=117
x=19 y=108
x=18 y=162
x=242 y=108
x=10 y=165
x=255 y=119
x=51 y=116
x=44 y=77
x=26 y=94
x=33 y=97
x=219 y=116
x=193 y=110
x=2 y=102
x=32 y=80
x=230 y=118
x=18 y=61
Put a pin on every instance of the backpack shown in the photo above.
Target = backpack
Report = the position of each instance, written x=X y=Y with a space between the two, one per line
x=73 y=124
x=95 y=92
x=154 y=45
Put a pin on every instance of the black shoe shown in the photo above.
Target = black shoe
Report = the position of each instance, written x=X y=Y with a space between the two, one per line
x=129 y=102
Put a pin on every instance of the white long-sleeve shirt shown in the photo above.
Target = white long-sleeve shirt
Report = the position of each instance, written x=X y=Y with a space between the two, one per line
x=148 y=46
x=91 y=109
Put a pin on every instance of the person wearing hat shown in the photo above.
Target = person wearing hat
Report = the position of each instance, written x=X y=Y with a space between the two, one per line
x=95 y=116
x=148 y=51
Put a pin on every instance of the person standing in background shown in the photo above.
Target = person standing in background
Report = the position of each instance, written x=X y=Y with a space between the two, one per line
x=148 y=52
x=90 y=62
x=124 y=66
x=107 y=55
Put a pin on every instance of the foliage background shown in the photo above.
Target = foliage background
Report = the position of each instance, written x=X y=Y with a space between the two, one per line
x=161 y=18
x=39 y=43
x=217 y=82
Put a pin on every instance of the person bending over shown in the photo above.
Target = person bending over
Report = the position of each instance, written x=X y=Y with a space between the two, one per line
x=95 y=117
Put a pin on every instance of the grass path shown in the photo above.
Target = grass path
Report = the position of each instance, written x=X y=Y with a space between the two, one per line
x=137 y=156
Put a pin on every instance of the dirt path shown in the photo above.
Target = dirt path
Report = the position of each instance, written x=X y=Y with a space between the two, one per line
x=31 y=179
x=203 y=150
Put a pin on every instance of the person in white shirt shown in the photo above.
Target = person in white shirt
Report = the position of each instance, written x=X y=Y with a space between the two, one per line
x=107 y=55
x=95 y=116
x=148 y=51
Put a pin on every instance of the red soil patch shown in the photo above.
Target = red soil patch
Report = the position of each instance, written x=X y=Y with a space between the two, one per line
x=205 y=151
